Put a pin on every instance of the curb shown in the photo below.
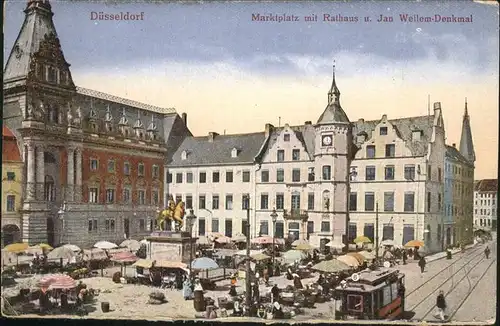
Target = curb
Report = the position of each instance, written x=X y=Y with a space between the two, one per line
x=452 y=252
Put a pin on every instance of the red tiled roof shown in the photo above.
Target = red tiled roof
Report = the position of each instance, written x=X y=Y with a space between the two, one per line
x=10 y=151
x=487 y=185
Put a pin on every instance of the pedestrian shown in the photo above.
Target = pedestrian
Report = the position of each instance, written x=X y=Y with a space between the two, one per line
x=275 y=292
x=405 y=257
x=487 y=252
x=422 y=263
x=441 y=306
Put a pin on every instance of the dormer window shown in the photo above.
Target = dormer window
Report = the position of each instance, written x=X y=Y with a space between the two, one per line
x=184 y=155
x=383 y=131
x=51 y=74
x=234 y=153
x=286 y=137
x=416 y=135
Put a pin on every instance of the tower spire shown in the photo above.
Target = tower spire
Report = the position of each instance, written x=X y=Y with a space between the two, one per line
x=334 y=93
x=466 y=143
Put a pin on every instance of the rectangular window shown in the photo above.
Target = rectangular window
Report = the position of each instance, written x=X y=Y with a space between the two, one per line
x=439 y=202
x=352 y=232
x=126 y=168
x=11 y=203
x=280 y=175
x=140 y=170
x=264 y=228
x=155 y=197
x=389 y=172
x=369 y=202
x=156 y=171
x=201 y=227
x=280 y=155
x=327 y=172
x=264 y=201
x=126 y=196
x=388 y=202
x=264 y=176
x=178 y=198
x=429 y=172
x=409 y=202
x=93 y=195
x=280 y=229
x=245 y=176
x=388 y=232
x=189 y=201
x=295 y=154
x=94 y=164
x=439 y=175
x=428 y=202
x=286 y=137
x=325 y=226
x=111 y=166
x=353 y=201
x=296 y=175
x=370 y=173
x=215 y=225
x=310 y=201
x=229 y=228
x=229 y=176
x=229 y=202
x=355 y=301
x=178 y=177
x=296 y=201
x=369 y=231
x=310 y=174
x=386 y=295
x=215 y=177
x=110 y=196
x=390 y=150
x=244 y=226
x=383 y=131
x=141 y=196
x=109 y=225
x=189 y=177
x=202 y=202
x=245 y=201
x=310 y=229
x=11 y=176
x=215 y=201
x=410 y=172
x=92 y=225
x=169 y=177
x=280 y=201
x=142 y=224
x=203 y=177
x=370 y=151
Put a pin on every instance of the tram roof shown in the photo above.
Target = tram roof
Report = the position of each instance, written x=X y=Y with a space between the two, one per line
x=370 y=280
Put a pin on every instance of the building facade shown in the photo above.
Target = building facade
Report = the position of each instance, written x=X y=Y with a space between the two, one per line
x=12 y=188
x=94 y=162
x=485 y=204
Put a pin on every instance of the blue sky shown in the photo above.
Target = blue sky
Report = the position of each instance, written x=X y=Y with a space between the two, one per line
x=215 y=32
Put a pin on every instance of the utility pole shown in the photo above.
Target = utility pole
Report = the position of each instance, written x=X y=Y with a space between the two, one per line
x=376 y=231
x=248 y=297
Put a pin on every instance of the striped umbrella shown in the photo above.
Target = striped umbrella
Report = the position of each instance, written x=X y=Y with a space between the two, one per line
x=57 y=281
x=124 y=257
x=223 y=240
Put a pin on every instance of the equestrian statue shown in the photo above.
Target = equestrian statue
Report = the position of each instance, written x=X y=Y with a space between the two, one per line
x=173 y=212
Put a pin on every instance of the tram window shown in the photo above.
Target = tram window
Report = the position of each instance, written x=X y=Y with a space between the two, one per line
x=394 y=290
x=377 y=299
x=386 y=297
x=355 y=303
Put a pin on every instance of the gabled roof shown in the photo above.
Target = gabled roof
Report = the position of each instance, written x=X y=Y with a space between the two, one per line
x=10 y=150
x=37 y=24
x=200 y=151
x=454 y=154
x=304 y=133
x=404 y=128
x=486 y=185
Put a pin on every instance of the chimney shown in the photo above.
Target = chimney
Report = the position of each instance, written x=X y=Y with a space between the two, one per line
x=454 y=145
x=269 y=129
x=361 y=120
x=437 y=105
x=211 y=136
x=185 y=118
x=308 y=123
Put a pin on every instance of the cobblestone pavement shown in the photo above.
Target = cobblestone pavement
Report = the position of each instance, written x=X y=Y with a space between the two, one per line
x=457 y=278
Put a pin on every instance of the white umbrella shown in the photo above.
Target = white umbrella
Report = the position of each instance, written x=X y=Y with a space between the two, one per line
x=335 y=245
x=61 y=252
x=133 y=245
x=143 y=241
x=105 y=245
x=388 y=242
x=72 y=247
x=298 y=242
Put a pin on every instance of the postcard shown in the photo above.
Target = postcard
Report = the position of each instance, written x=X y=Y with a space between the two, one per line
x=301 y=161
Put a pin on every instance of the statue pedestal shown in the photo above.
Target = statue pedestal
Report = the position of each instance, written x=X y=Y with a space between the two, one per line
x=171 y=246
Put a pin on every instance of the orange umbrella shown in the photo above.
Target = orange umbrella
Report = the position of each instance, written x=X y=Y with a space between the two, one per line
x=414 y=243
x=359 y=257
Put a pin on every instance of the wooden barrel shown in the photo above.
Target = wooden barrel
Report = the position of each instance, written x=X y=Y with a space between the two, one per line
x=199 y=301
x=105 y=306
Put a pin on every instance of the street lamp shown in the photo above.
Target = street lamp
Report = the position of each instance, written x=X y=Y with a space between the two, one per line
x=274 y=217
x=189 y=226
x=61 y=213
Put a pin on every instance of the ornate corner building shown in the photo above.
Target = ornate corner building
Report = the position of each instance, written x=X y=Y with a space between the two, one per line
x=94 y=162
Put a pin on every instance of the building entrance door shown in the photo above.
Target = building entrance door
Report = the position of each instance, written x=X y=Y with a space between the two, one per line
x=294 y=230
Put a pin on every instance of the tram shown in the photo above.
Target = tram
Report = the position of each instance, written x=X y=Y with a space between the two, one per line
x=371 y=294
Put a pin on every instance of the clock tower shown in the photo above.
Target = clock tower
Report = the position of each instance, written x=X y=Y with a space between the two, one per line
x=332 y=159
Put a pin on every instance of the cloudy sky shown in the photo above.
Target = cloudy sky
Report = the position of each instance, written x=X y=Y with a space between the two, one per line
x=233 y=75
